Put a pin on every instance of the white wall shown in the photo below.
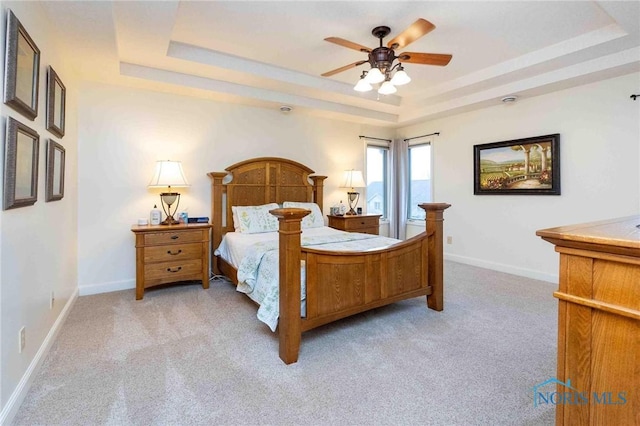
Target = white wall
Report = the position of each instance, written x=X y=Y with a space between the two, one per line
x=37 y=243
x=599 y=150
x=122 y=132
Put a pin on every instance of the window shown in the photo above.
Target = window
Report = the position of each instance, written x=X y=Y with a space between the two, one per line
x=419 y=179
x=377 y=180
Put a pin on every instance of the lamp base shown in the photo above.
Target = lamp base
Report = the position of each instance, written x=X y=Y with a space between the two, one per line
x=169 y=198
x=169 y=221
x=352 y=197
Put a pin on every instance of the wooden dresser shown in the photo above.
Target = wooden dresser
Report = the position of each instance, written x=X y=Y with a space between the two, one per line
x=171 y=253
x=365 y=223
x=599 y=320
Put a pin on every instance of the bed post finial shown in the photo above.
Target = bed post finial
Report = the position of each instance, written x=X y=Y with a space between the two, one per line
x=434 y=221
x=290 y=322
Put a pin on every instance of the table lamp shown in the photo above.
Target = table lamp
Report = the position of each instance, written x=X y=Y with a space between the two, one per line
x=169 y=174
x=353 y=179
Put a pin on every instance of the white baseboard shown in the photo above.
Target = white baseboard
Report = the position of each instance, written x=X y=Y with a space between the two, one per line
x=15 y=400
x=509 y=269
x=89 y=289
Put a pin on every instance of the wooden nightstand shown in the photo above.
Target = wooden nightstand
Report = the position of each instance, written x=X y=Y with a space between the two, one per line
x=171 y=253
x=364 y=223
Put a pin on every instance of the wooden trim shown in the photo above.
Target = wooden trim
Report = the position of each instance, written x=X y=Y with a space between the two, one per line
x=601 y=306
x=311 y=323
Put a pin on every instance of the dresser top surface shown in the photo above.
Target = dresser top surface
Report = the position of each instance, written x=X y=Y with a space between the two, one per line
x=619 y=232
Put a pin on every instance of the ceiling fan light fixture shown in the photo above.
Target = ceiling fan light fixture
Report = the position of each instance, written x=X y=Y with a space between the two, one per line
x=400 y=77
x=374 y=76
x=387 y=88
x=363 y=85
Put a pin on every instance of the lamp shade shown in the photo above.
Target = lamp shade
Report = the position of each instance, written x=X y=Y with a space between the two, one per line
x=387 y=88
x=400 y=78
x=353 y=179
x=168 y=173
x=374 y=76
x=362 y=86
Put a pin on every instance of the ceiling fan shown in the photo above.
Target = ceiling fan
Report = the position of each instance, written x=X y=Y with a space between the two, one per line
x=382 y=58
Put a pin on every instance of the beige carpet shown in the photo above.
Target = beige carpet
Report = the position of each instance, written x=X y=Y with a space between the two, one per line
x=184 y=355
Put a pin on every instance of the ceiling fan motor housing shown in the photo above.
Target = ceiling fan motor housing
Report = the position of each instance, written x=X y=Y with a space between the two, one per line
x=382 y=58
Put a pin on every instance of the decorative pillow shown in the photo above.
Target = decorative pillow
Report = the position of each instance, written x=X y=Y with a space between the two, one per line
x=254 y=219
x=312 y=220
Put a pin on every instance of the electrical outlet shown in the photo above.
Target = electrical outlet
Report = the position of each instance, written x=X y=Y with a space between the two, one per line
x=21 y=340
x=51 y=300
x=449 y=240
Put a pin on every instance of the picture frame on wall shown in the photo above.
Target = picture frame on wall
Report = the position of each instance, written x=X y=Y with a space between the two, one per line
x=55 y=171
x=22 y=145
x=529 y=166
x=56 y=98
x=22 y=68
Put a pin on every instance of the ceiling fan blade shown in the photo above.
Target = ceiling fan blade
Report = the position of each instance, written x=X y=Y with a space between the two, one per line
x=349 y=44
x=411 y=34
x=346 y=67
x=439 y=59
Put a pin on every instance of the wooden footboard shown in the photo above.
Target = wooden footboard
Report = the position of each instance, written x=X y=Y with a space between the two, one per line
x=340 y=284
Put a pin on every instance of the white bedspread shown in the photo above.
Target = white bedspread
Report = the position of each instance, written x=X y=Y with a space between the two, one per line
x=255 y=256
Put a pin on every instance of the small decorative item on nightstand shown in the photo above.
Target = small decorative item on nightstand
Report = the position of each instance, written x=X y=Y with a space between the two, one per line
x=155 y=217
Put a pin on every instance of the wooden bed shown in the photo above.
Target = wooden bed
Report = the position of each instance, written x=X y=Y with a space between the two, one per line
x=339 y=284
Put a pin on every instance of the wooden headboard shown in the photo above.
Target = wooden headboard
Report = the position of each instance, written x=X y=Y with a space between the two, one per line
x=259 y=181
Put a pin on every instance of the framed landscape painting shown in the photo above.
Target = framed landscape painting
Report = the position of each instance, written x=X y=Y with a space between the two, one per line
x=520 y=166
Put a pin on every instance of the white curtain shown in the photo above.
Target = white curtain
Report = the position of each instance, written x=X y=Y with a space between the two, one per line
x=399 y=188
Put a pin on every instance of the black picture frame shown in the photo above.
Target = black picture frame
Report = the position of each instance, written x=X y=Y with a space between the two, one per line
x=22 y=146
x=529 y=166
x=22 y=69
x=55 y=171
x=56 y=99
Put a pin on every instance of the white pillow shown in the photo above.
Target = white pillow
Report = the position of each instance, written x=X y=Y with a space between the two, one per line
x=312 y=220
x=254 y=219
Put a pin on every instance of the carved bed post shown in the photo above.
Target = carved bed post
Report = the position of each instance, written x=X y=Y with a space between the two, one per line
x=434 y=221
x=318 y=190
x=216 y=215
x=289 y=323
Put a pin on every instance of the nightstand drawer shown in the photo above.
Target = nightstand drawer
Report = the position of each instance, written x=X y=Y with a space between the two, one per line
x=360 y=223
x=366 y=224
x=157 y=238
x=172 y=253
x=172 y=271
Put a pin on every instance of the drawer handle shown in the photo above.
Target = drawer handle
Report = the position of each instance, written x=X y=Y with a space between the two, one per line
x=174 y=270
x=361 y=223
x=174 y=237
x=174 y=254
